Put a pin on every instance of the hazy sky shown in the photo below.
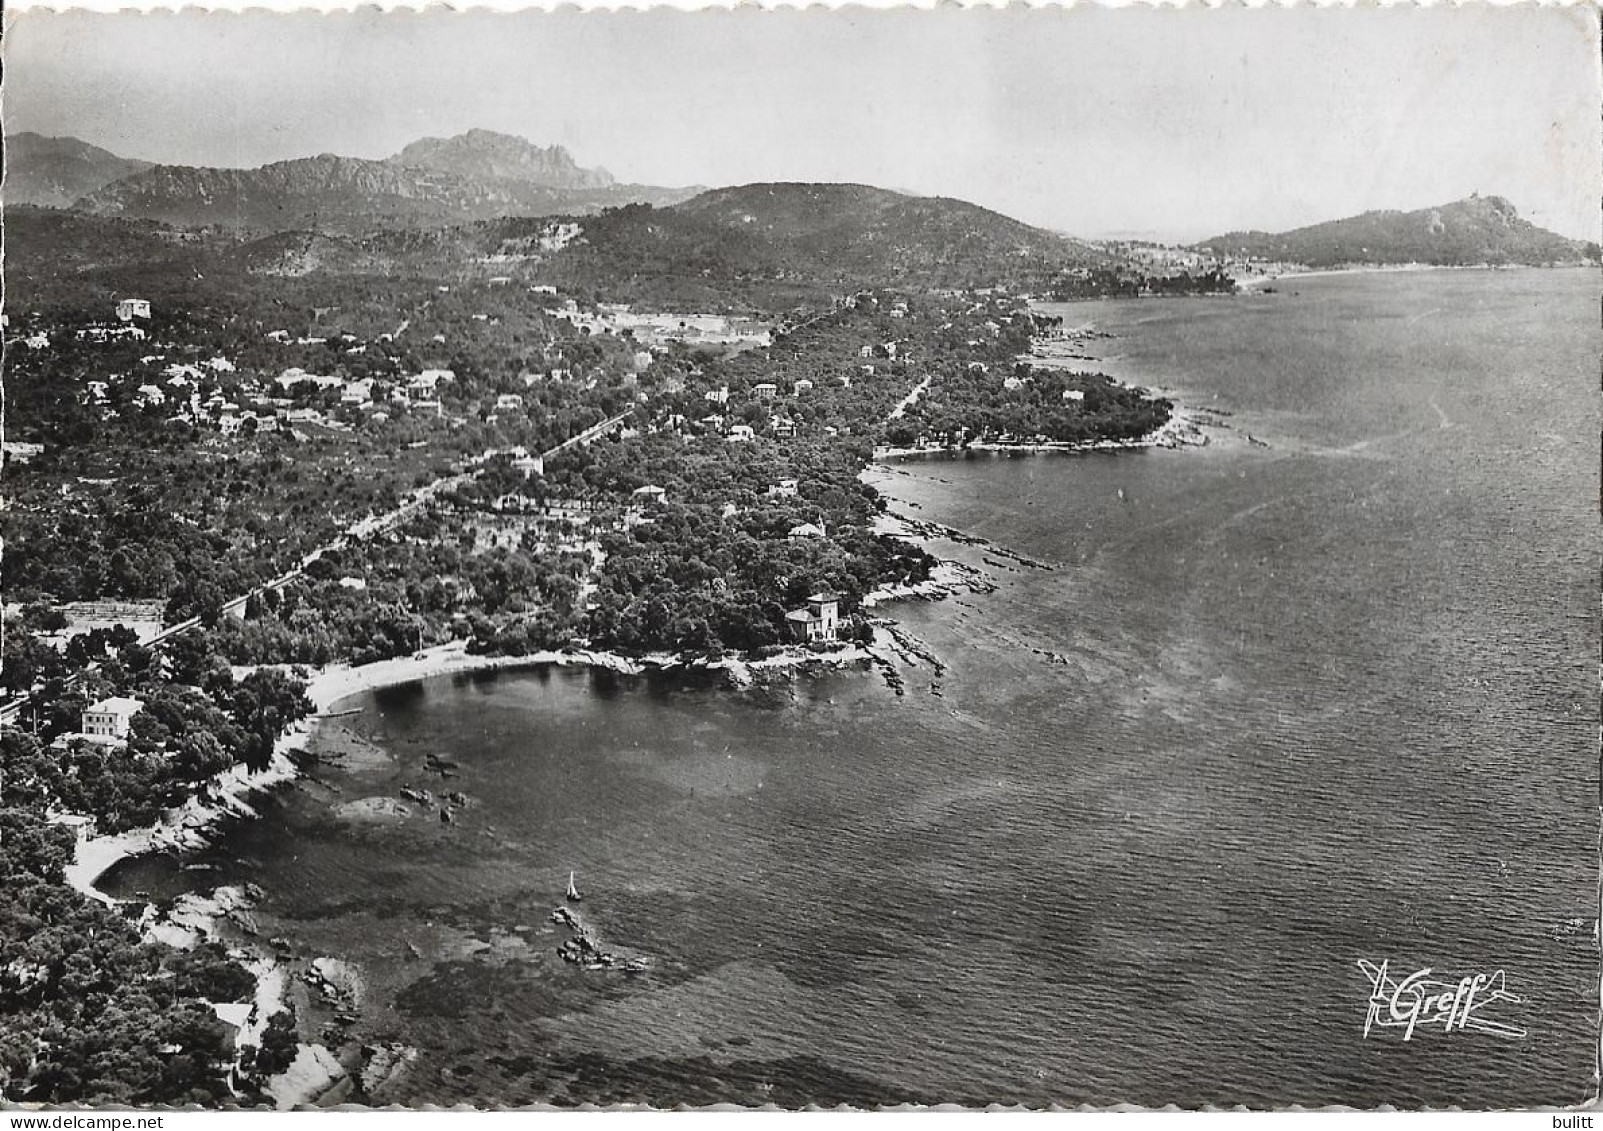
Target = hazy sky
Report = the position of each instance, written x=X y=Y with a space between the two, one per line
x=1171 y=123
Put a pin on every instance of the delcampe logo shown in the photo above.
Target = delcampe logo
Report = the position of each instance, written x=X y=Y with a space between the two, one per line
x=1420 y=1000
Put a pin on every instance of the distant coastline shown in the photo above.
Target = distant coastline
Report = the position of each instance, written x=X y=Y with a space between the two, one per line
x=1256 y=282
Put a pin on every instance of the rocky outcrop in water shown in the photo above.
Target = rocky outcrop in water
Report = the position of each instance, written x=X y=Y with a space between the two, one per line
x=582 y=949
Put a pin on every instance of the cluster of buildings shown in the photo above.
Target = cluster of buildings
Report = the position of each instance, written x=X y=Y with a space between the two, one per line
x=193 y=395
x=1163 y=258
x=765 y=392
x=660 y=329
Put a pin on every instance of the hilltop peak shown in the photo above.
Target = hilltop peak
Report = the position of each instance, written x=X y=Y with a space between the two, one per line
x=55 y=171
x=488 y=155
x=1477 y=229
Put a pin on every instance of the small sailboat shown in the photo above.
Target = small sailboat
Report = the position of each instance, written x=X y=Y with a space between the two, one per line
x=573 y=892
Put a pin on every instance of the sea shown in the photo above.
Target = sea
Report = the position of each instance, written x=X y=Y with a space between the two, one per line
x=1235 y=722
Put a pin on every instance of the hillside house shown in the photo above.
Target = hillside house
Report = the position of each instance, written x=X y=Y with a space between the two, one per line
x=783 y=427
x=784 y=489
x=1074 y=394
x=740 y=434
x=17 y=452
x=766 y=391
x=650 y=493
x=819 y=621
x=109 y=719
x=358 y=392
x=806 y=530
x=130 y=308
x=802 y=386
x=429 y=380
x=508 y=401
x=288 y=379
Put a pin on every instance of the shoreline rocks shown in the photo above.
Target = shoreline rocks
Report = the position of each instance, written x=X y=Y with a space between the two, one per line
x=582 y=950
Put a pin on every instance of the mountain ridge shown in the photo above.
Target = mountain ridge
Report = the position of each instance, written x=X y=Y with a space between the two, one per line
x=55 y=171
x=1475 y=230
x=431 y=182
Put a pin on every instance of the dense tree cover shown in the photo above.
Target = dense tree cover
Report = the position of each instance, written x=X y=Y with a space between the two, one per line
x=423 y=585
x=756 y=241
x=88 y=1012
x=695 y=582
x=976 y=405
x=1128 y=282
x=185 y=734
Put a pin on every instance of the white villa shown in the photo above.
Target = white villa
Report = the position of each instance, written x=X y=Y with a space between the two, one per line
x=109 y=719
x=820 y=620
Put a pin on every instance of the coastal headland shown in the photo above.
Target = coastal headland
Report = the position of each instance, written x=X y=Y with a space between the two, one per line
x=685 y=520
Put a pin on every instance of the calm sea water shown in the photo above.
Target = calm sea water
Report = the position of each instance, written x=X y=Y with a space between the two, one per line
x=1330 y=700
